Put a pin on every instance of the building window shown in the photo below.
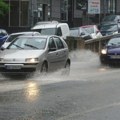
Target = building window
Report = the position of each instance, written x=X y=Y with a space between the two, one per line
x=111 y=6
x=81 y=4
x=18 y=13
x=64 y=10
x=24 y=5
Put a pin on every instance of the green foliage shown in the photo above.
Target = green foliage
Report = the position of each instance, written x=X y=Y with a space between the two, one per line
x=3 y=8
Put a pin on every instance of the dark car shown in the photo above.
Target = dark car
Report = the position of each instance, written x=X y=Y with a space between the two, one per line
x=109 y=29
x=111 y=52
x=3 y=36
x=110 y=19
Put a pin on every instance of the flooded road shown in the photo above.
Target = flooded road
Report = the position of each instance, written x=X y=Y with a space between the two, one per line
x=90 y=92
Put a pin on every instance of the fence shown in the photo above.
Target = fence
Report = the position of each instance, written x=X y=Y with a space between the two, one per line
x=94 y=45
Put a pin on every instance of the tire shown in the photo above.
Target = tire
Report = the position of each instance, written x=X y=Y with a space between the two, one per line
x=66 y=70
x=44 y=68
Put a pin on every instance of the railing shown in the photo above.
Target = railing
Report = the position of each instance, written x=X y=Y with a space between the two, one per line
x=94 y=45
x=75 y=43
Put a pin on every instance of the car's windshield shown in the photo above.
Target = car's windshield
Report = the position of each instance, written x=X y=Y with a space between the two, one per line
x=28 y=43
x=12 y=37
x=110 y=27
x=47 y=31
x=114 y=41
x=109 y=18
x=89 y=29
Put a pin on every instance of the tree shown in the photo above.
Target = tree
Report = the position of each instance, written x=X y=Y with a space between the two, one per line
x=3 y=8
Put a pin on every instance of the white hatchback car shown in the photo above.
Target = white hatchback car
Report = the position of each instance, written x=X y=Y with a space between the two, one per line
x=35 y=53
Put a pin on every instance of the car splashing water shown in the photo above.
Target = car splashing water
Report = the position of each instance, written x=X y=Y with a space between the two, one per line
x=83 y=62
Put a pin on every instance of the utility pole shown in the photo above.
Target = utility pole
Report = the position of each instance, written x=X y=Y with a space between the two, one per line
x=30 y=13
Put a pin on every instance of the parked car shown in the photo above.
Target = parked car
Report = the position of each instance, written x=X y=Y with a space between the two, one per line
x=110 y=19
x=111 y=52
x=12 y=36
x=52 y=28
x=27 y=54
x=86 y=32
x=92 y=30
x=3 y=36
x=79 y=32
x=110 y=29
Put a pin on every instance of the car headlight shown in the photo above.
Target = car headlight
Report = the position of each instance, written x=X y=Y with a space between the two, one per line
x=32 y=60
x=104 y=51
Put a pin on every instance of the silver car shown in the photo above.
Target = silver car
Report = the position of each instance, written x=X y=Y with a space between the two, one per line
x=35 y=53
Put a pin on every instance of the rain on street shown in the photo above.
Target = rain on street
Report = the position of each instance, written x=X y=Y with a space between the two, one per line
x=90 y=92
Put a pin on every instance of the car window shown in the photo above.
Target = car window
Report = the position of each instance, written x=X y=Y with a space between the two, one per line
x=89 y=29
x=110 y=27
x=12 y=37
x=83 y=32
x=109 y=18
x=48 y=31
x=51 y=43
x=114 y=41
x=59 y=43
x=59 y=32
x=28 y=43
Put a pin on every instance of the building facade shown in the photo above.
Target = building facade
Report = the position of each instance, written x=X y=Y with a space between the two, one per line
x=25 y=13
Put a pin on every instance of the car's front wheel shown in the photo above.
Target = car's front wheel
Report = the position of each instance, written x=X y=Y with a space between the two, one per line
x=44 y=68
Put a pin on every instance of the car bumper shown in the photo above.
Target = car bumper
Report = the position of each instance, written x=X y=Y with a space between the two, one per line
x=107 y=59
x=18 y=68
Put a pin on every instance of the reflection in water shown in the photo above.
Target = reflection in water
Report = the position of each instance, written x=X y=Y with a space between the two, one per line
x=32 y=91
x=103 y=69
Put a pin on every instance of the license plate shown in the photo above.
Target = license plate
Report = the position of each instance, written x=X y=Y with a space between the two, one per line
x=115 y=56
x=13 y=67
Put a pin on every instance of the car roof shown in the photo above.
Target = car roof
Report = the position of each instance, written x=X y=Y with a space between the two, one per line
x=3 y=30
x=41 y=36
x=86 y=26
x=28 y=32
x=47 y=25
x=45 y=22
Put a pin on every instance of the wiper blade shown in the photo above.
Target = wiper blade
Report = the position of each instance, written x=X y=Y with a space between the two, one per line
x=31 y=46
x=18 y=46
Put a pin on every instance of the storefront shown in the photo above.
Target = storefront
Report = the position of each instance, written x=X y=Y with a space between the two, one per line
x=25 y=13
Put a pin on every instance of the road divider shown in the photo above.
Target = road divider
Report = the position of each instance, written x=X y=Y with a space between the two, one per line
x=95 y=45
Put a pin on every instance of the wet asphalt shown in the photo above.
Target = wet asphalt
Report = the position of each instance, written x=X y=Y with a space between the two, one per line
x=90 y=92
